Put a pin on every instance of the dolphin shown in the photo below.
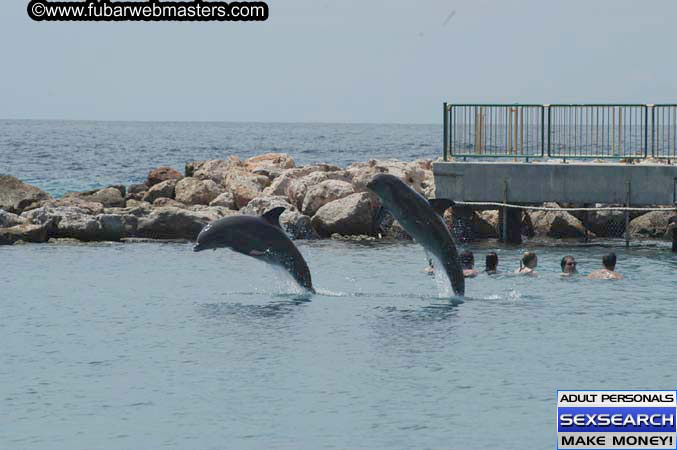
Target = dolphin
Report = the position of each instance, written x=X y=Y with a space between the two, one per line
x=260 y=237
x=423 y=221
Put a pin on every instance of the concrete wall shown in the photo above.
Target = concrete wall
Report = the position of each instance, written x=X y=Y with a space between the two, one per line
x=650 y=184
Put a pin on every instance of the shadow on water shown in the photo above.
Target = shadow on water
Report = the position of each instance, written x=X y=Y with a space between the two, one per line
x=288 y=304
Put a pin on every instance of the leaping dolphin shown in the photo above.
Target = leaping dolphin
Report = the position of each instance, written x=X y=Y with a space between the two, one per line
x=260 y=237
x=419 y=218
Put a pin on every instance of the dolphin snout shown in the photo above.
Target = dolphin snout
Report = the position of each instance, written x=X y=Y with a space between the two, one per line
x=198 y=247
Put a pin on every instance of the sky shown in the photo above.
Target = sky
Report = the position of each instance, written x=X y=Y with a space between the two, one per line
x=346 y=61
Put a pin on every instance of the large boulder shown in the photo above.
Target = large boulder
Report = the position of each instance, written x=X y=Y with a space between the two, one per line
x=174 y=223
x=193 y=191
x=164 y=189
x=556 y=224
x=110 y=197
x=8 y=220
x=298 y=188
x=137 y=188
x=281 y=183
x=270 y=160
x=653 y=224
x=25 y=232
x=244 y=185
x=351 y=215
x=323 y=193
x=89 y=207
x=225 y=199
x=215 y=169
x=413 y=174
x=604 y=223
x=16 y=196
x=162 y=174
x=74 y=222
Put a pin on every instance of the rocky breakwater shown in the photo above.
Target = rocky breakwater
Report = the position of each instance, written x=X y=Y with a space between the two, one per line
x=320 y=201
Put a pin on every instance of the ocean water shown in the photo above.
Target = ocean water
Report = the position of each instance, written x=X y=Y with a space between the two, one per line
x=68 y=156
x=152 y=346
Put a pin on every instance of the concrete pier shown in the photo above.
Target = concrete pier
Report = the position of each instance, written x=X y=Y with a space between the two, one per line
x=540 y=182
x=574 y=182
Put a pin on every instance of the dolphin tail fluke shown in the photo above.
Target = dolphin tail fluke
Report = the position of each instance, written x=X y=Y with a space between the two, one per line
x=452 y=266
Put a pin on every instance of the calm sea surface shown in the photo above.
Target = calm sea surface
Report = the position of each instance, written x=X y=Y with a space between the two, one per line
x=152 y=346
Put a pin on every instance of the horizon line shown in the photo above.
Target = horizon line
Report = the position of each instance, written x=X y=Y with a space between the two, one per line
x=218 y=121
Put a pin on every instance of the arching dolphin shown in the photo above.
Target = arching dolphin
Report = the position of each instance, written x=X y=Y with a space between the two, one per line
x=260 y=237
x=419 y=218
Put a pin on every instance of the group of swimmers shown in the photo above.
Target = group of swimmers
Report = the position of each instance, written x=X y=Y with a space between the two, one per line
x=529 y=262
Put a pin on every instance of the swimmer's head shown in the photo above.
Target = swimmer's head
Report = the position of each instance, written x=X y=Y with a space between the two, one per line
x=529 y=259
x=491 y=262
x=609 y=261
x=568 y=264
x=467 y=259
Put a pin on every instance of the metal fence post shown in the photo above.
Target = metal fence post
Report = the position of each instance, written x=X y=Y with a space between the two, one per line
x=549 y=130
x=653 y=131
x=445 y=121
x=542 y=130
x=646 y=130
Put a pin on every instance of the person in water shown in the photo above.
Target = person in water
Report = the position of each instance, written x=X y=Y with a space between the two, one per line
x=568 y=264
x=468 y=264
x=609 y=271
x=491 y=263
x=528 y=263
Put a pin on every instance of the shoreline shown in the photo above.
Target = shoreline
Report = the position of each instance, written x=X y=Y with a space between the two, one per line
x=321 y=201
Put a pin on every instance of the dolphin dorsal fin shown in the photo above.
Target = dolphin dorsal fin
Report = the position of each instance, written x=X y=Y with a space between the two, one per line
x=273 y=216
x=440 y=205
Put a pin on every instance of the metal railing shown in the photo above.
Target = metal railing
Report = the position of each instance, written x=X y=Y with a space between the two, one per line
x=575 y=131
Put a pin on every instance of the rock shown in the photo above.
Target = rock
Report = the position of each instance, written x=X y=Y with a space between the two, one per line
x=8 y=220
x=74 y=222
x=193 y=191
x=281 y=183
x=166 y=189
x=109 y=197
x=323 y=193
x=270 y=172
x=298 y=188
x=16 y=196
x=395 y=232
x=260 y=205
x=412 y=173
x=351 y=215
x=225 y=199
x=244 y=186
x=88 y=207
x=137 y=188
x=273 y=160
x=557 y=224
x=605 y=223
x=162 y=174
x=121 y=188
x=174 y=223
x=297 y=225
x=25 y=232
x=137 y=203
x=164 y=201
x=653 y=224
x=215 y=170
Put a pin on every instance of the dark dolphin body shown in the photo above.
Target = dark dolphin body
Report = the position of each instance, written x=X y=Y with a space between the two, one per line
x=260 y=237
x=422 y=222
